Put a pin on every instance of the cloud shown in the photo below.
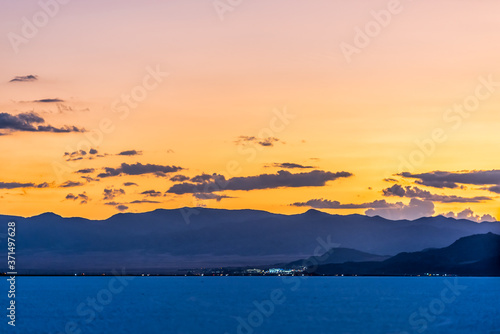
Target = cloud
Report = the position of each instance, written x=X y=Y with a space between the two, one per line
x=151 y=193
x=440 y=179
x=415 y=192
x=209 y=196
x=139 y=169
x=15 y=185
x=128 y=184
x=290 y=165
x=493 y=189
x=48 y=101
x=266 y=142
x=282 y=179
x=327 y=204
x=69 y=184
x=416 y=209
x=122 y=207
x=110 y=193
x=85 y=171
x=469 y=214
x=83 y=197
x=130 y=153
x=390 y=180
x=179 y=178
x=31 y=122
x=144 y=201
x=88 y=178
x=25 y=78
x=80 y=154
x=205 y=177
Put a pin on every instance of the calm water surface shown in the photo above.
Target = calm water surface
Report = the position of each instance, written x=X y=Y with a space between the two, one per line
x=254 y=305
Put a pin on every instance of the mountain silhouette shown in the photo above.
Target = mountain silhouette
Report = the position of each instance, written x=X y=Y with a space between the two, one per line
x=201 y=237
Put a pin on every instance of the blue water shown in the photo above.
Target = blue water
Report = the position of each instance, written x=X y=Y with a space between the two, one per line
x=253 y=305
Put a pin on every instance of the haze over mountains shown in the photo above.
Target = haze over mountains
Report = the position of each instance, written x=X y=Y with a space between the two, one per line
x=476 y=255
x=164 y=240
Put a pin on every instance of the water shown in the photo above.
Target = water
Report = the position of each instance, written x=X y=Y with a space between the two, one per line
x=254 y=305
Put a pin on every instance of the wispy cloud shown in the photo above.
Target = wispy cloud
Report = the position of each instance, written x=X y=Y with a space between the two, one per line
x=452 y=180
x=31 y=122
x=266 y=142
x=82 y=197
x=15 y=185
x=130 y=153
x=282 y=179
x=290 y=165
x=25 y=78
x=48 y=101
x=111 y=193
x=139 y=169
x=152 y=193
x=70 y=184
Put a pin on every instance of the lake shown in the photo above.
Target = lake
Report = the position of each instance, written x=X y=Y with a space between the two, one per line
x=254 y=305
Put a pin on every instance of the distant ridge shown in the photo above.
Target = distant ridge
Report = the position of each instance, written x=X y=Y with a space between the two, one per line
x=476 y=255
x=168 y=239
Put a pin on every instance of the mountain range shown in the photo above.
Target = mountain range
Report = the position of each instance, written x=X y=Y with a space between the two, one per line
x=476 y=255
x=169 y=240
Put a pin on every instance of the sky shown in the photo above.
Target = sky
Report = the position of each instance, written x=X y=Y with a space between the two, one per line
x=371 y=107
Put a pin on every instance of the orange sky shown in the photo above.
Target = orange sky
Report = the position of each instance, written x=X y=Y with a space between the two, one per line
x=222 y=73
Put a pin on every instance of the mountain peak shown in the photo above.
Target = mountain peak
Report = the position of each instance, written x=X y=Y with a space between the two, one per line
x=314 y=212
x=47 y=215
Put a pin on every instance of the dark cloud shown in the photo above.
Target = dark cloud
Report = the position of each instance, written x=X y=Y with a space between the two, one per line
x=266 y=142
x=209 y=196
x=327 y=204
x=144 y=201
x=204 y=178
x=151 y=193
x=390 y=180
x=414 y=210
x=415 y=192
x=88 y=178
x=85 y=171
x=69 y=184
x=111 y=193
x=493 y=189
x=470 y=215
x=43 y=185
x=130 y=153
x=128 y=184
x=82 y=197
x=179 y=178
x=122 y=207
x=440 y=179
x=290 y=165
x=139 y=169
x=25 y=78
x=48 y=101
x=76 y=153
x=15 y=185
x=31 y=122
x=316 y=178
x=81 y=154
